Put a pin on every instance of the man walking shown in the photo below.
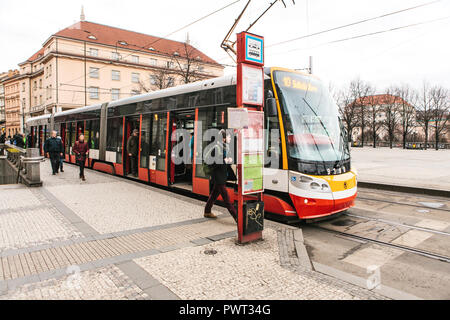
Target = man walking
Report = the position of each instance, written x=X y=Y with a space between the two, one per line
x=219 y=175
x=81 y=150
x=132 y=149
x=54 y=149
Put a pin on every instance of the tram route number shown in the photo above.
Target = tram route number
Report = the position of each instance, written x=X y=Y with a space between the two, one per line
x=227 y=309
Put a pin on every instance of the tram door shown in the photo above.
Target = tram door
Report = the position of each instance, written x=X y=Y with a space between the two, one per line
x=182 y=134
x=131 y=123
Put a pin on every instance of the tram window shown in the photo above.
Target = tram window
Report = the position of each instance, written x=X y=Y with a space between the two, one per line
x=145 y=140
x=272 y=142
x=114 y=137
x=73 y=134
x=67 y=141
x=208 y=118
x=158 y=146
x=95 y=134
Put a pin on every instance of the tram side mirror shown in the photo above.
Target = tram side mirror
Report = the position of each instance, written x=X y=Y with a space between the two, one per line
x=271 y=107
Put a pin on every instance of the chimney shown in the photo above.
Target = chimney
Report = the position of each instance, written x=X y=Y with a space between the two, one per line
x=82 y=16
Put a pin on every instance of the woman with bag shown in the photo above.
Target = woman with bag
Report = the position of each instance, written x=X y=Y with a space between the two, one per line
x=81 y=150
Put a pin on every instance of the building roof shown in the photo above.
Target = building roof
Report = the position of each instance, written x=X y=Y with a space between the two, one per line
x=36 y=56
x=106 y=35
x=380 y=99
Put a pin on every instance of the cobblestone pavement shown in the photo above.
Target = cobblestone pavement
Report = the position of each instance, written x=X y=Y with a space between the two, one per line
x=124 y=205
x=115 y=239
x=26 y=219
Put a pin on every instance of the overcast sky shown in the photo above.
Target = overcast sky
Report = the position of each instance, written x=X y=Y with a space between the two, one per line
x=409 y=55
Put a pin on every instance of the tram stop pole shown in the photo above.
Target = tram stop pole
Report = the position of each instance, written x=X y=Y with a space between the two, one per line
x=248 y=120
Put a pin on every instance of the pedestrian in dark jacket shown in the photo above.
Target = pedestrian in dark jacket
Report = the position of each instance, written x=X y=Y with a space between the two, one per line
x=30 y=141
x=54 y=149
x=3 y=138
x=132 y=150
x=19 y=140
x=219 y=175
x=81 y=150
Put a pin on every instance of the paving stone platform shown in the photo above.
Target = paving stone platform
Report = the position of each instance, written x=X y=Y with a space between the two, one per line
x=111 y=238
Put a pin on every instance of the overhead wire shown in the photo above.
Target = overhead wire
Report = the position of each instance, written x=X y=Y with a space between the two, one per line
x=353 y=23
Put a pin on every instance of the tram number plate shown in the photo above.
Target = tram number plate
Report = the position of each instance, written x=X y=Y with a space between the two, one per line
x=253 y=217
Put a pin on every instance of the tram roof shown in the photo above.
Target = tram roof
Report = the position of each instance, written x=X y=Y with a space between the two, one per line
x=212 y=83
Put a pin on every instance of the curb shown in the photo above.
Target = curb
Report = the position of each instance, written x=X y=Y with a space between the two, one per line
x=405 y=189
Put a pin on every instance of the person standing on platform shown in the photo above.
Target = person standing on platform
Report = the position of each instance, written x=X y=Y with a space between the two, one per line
x=219 y=175
x=81 y=150
x=54 y=149
x=132 y=150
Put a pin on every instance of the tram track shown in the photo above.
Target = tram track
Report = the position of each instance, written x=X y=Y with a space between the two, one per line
x=403 y=203
x=420 y=252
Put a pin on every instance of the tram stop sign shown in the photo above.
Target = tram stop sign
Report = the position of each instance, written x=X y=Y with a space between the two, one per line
x=248 y=120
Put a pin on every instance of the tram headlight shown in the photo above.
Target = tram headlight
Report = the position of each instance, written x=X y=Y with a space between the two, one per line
x=305 y=179
x=314 y=185
x=325 y=187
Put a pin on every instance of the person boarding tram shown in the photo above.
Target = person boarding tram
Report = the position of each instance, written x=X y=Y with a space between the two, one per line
x=219 y=174
x=132 y=150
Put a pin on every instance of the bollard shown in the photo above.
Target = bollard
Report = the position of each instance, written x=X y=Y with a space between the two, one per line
x=33 y=169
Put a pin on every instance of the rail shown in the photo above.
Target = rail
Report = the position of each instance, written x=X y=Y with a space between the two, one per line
x=26 y=162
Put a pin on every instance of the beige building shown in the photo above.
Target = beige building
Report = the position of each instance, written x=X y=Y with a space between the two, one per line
x=12 y=103
x=89 y=63
x=3 y=76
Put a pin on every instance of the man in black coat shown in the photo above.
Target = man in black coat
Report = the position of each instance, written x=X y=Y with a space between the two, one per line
x=133 y=151
x=219 y=176
x=19 y=140
x=54 y=149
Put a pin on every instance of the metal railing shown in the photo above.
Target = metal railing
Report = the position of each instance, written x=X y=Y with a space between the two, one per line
x=26 y=162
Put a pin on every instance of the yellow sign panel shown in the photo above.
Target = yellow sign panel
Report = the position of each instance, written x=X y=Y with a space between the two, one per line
x=296 y=84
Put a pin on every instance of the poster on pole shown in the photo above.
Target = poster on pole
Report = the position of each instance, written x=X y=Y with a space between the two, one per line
x=252 y=85
x=252 y=155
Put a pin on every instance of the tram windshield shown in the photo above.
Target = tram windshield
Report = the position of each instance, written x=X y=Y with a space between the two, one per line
x=315 y=136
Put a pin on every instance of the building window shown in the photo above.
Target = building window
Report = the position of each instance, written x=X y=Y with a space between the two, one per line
x=115 y=75
x=93 y=52
x=115 y=94
x=50 y=91
x=115 y=56
x=35 y=101
x=23 y=102
x=153 y=62
x=93 y=92
x=40 y=99
x=135 y=77
x=35 y=85
x=40 y=83
x=170 y=82
x=135 y=59
x=23 y=87
x=153 y=79
x=50 y=70
x=169 y=64
x=93 y=72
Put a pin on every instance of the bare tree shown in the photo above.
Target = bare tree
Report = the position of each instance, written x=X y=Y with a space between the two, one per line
x=359 y=90
x=160 y=79
x=424 y=115
x=372 y=104
x=187 y=64
x=440 y=108
x=392 y=115
x=407 y=99
x=347 y=110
